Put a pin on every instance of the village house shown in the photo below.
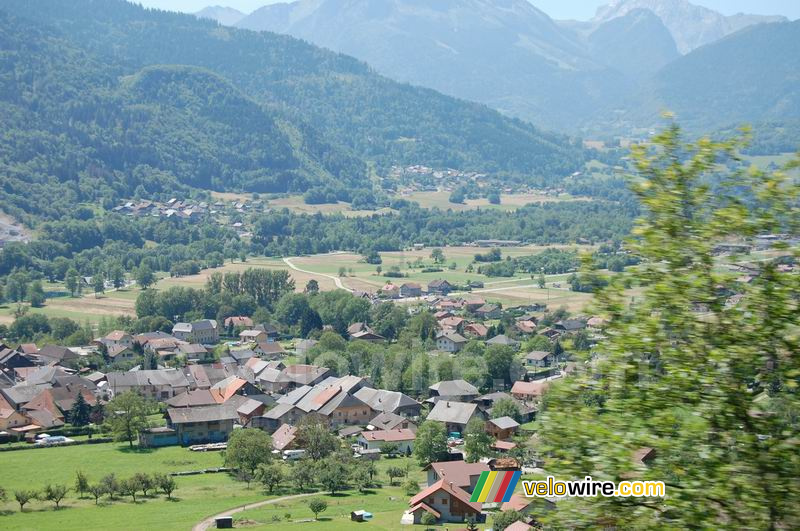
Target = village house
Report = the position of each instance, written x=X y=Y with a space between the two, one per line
x=203 y=331
x=473 y=302
x=334 y=400
x=446 y=502
x=528 y=391
x=476 y=330
x=193 y=351
x=253 y=336
x=367 y=335
x=489 y=311
x=284 y=438
x=55 y=355
x=449 y=341
x=460 y=473
x=454 y=415
x=119 y=353
x=391 y=421
x=403 y=438
x=410 y=289
x=393 y=402
x=270 y=350
x=203 y=424
x=117 y=338
x=505 y=341
x=390 y=291
x=453 y=390
x=439 y=287
x=238 y=321
x=157 y=385
x=10 y=417
x=502 y=428
x=452 y=323
x=570 y=325
x=538 y=359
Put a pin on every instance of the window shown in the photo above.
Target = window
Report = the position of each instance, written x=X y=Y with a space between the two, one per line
x=444 y=501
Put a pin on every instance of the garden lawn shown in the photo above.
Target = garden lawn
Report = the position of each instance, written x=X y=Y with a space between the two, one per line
x=196 y=497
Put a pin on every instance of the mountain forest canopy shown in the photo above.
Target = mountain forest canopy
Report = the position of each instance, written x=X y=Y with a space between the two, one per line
x=115 y=98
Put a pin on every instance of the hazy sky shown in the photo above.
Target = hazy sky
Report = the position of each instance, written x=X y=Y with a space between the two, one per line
x=560 y=9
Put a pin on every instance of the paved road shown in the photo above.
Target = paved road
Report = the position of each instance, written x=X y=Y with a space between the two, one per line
x=336 y=280
x=210 y=521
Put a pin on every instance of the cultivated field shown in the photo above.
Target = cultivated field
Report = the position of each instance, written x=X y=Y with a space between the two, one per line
x=441 y=199
x=296 y=204
x=325 y=269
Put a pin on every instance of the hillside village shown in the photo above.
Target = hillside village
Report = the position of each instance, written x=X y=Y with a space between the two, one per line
x=212 y=379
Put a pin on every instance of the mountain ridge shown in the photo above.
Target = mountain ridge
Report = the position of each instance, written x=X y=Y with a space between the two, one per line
x=692 y=26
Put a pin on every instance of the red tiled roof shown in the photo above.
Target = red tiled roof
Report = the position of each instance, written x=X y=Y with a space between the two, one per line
x=458 y=472
x=389 y=435
x=503 y=445
x=452 y=489
x=529 y=388
x=516 y=503
x=426 y=508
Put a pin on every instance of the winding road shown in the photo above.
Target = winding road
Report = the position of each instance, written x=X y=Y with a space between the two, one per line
x=210 y=521
x=336 y=280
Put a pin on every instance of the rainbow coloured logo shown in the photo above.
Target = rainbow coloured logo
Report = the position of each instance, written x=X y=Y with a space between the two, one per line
x=495 y=487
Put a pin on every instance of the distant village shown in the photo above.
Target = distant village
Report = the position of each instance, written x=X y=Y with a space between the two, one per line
x=262 y=380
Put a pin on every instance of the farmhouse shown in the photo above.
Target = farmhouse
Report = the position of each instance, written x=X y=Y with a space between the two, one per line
x=538 y=359
x=403 y=438
x=502 y=428
x=439 y=287
x=411 y=289
x=449 y=341
x=203 y=331
x=446 y=502
x=454 y=415
x=454 y=390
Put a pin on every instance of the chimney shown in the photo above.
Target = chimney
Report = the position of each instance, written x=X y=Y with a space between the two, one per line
x=448 y=403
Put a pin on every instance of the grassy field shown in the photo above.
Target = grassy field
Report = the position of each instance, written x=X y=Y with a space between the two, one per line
x=196 y=497
x=387 y=504
x=296 y=204
x=520 y=289
x=441 y=199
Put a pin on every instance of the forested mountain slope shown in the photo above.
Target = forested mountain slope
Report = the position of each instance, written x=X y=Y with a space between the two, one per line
x=379 y=119
x=78 y=127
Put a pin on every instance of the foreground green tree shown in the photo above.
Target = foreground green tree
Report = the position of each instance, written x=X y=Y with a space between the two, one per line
x=316 y=438
x=431 y=443
x=248 y=448
x=477 y=443
x=127 y=416
x=708 y=382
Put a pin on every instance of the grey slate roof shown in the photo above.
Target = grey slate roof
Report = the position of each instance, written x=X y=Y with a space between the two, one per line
x=382 y=400
x=505 y=423
x=453 y=412
x=454 y=388
x=171 y=377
